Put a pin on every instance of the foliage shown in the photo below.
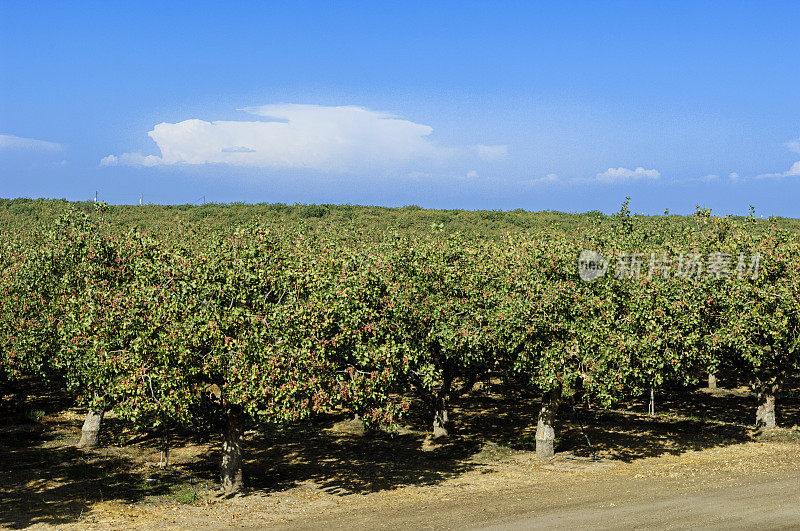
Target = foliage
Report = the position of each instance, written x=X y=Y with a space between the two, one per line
x=284 y=312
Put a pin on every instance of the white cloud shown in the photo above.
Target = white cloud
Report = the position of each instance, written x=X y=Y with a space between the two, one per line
x=131 y=159
x=549 y=178
x=336 y=139
x=793 y=171
x=626 y=174
x=11 y=142
x=471 y=175
x=491 y=153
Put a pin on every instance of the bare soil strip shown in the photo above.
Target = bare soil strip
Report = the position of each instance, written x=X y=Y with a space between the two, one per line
x=696 y=465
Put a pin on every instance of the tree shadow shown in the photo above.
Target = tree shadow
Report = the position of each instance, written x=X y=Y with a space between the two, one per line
x=344 y=464
x=721 y=405
x=43 y=480
x=619 y=436
x=692 y=420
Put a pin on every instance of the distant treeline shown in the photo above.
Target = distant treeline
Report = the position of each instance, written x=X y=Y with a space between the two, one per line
x=22 y=214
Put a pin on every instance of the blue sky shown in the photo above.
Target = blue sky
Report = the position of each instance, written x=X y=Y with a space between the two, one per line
x=565 y=106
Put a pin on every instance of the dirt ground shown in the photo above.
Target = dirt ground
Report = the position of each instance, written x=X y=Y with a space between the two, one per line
x=698 y=464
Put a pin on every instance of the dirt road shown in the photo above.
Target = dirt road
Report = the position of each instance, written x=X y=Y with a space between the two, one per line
x=751 y=486
x=768 y=505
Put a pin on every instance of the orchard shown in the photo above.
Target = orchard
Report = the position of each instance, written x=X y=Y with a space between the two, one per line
x=216 y=329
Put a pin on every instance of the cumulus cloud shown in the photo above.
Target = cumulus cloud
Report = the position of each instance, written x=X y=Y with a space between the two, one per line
x=491 y=153
x=337 y=139
x=793 y=171
x=11 y=143
x=616 y=175
x=131 y=159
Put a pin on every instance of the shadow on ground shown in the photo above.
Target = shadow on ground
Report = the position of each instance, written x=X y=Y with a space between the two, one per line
x=45 y=480
x=42 y=483
x=344 y=463
x=684 y=421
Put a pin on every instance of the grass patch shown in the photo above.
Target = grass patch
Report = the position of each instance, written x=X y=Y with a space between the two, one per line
x=494 y=452
x=780 y=435
x=35 y=415
x=161 y=488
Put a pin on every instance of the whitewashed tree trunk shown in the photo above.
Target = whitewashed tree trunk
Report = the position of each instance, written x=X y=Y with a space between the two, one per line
x=440 y=419
x=765 y=414
x=231 y=474
x=765 y=389
x=545 y=434
x=712 y=381
x=91 y=428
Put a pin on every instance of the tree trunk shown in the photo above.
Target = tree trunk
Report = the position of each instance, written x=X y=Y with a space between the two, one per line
x=469 y=385
x=651 y=407
x=91 y=428
x=163 y=462
x=765 y=388
x=357 y=425
x=232 y=452
x=765 y=414
x=545 y=435
x=440 y=417
x=712 y=381
x=440 y=420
